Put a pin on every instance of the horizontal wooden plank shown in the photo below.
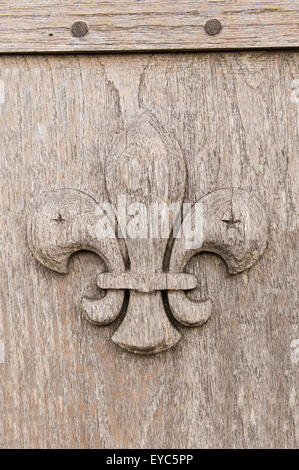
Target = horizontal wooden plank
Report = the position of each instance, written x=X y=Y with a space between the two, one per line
x=134 y=25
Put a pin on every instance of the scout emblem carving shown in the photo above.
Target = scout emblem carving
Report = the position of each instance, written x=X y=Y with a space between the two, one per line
x=146 y=167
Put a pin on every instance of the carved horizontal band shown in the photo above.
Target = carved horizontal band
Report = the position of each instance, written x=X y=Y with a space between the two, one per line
x=147 y=282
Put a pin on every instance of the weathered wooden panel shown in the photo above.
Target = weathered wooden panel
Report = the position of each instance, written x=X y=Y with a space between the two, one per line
x=126 y=25
x=230 y=383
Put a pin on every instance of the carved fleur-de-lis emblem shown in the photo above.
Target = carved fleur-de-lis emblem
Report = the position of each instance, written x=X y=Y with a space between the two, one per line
x=147 y=167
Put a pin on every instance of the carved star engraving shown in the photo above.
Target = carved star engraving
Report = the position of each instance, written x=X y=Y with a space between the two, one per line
x=59 y=219
x=231 y=222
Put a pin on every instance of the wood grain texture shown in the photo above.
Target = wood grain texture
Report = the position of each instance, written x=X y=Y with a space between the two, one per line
x=231 y=383
x=125 y=25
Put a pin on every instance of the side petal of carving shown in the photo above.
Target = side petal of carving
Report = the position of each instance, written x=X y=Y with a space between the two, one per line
x=231 y=223
x=67 y=221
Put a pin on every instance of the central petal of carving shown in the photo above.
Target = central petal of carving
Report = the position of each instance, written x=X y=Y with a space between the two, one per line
x=143 y=157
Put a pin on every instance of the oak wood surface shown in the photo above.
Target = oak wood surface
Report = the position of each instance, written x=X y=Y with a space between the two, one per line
x=232 y=382
x=126 y=25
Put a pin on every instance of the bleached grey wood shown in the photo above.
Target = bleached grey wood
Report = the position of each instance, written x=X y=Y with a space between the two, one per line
x=132 y=25
x=231 y=383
